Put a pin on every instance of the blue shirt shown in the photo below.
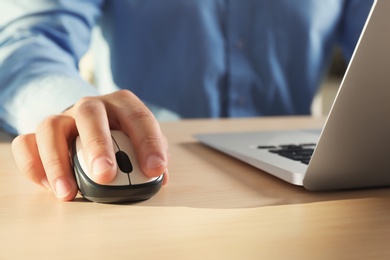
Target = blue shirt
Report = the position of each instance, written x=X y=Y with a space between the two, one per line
x=197 y=58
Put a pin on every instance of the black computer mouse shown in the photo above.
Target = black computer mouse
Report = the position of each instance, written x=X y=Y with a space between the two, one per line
x=130 y=183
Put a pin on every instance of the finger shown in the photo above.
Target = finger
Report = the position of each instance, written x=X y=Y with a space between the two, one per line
x=166 y=177
x=52 y=139
x=145 y=133
x=98 y=151
x=26 y=155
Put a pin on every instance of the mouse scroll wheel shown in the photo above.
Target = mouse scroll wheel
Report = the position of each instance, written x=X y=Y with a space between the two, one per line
x=124 y=162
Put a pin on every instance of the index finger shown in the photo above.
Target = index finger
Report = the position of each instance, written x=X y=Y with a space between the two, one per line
x=94 y=130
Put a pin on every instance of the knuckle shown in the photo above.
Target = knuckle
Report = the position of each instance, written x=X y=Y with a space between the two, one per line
x=19 y=140
x=88 y=106
x=51 y=122
x=29 y=169
x=52 y=163
x=96 y=142
x=125 y=93
x=150 y=141
x=141 y=114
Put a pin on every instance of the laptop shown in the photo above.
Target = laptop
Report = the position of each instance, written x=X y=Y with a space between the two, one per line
x=353 y=148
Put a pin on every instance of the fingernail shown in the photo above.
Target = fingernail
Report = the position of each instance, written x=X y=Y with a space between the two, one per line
x=154 y=161
x=62 y=188
x=101 y=165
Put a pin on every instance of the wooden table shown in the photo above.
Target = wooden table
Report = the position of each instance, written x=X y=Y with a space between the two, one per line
x=214 y=207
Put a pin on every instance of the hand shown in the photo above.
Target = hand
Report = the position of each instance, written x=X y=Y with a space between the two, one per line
x=44 y=156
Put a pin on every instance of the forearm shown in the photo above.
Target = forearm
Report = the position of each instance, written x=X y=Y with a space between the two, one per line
x=36 y=83
x=39 y=98
x=40 y=46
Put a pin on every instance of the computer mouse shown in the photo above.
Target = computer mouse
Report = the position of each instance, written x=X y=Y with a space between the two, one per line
x=130 y=183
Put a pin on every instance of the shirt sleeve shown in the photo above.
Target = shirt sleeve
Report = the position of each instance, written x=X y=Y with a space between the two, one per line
x=41 y=43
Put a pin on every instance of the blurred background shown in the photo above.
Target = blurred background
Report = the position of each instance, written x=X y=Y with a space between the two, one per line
x=320 y=107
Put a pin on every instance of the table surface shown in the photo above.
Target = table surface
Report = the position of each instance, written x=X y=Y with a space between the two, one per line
x=214 y=207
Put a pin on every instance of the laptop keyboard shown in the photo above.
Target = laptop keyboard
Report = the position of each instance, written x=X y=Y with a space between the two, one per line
x=300 y=152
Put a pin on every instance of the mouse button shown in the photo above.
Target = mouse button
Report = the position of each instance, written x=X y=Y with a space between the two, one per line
x=121 y=179
x=137 y=177
x=122 y=143
x=123 y=161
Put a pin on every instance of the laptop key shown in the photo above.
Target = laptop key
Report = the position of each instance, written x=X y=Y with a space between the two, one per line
x=294 y=152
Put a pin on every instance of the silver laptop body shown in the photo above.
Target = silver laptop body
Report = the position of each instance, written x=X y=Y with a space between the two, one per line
x=353 y=148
